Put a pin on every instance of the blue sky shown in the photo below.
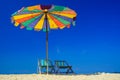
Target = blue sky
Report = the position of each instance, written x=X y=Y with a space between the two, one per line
x=93 y=45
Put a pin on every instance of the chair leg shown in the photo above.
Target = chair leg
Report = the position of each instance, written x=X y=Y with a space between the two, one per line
x=69 y=70
x=72 y=71
x=57 y=70
x=52 y=70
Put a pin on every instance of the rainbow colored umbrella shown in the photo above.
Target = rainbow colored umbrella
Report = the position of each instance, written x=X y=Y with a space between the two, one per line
x=44 y=17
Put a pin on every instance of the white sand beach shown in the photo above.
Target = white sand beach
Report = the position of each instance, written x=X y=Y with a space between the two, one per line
x=102 y=76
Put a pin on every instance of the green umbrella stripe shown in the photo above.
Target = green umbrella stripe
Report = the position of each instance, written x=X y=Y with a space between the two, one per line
x=58 y=8
x=62 y=20
x=26 y=23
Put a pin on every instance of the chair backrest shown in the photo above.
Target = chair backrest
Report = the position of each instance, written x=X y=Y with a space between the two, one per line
x=44 y=62
x=61 y=63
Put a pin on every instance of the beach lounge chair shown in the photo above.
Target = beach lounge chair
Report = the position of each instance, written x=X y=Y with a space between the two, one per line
x=63 y=65
x=42 y=65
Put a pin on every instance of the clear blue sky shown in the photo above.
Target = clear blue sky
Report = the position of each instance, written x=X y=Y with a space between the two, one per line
x=93 y=45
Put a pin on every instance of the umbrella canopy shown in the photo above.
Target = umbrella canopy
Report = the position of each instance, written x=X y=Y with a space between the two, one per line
x=34 y=17
x=44 y=17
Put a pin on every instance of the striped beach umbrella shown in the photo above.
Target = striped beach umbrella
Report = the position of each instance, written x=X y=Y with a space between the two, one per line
x=44 y=17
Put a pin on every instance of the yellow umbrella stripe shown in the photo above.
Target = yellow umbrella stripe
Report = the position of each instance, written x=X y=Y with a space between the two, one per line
x=39 y=25
x=37 y=7
x=51 y=23
x=16 y=24
x=63 y=14
x=24 y=15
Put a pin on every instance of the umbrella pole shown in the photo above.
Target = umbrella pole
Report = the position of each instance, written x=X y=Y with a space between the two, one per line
x=46 y=42
x=47 y=49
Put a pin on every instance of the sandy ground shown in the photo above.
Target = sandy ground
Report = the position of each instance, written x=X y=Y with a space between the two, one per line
x=105 y=76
